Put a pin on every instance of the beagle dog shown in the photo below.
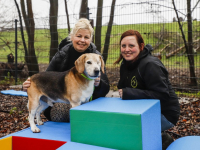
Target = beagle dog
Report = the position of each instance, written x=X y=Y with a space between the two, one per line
x=74 y=86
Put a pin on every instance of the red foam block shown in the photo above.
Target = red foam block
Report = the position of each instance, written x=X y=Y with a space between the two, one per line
x=24 y=143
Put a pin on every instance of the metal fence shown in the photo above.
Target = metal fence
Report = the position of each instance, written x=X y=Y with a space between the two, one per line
x=156 y=22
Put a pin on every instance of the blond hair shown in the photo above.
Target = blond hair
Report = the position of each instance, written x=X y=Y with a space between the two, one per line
x=82 y=23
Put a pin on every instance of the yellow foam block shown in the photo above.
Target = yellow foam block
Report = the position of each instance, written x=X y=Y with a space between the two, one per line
x=6 y=144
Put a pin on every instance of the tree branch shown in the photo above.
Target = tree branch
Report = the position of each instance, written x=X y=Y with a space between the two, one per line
x=183 y=35
x=22 y=32
x=6 y=43
x=195 y=6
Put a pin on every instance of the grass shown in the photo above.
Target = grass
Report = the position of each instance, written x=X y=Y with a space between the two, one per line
x=184 y=94
x=10 y=80
x=181 y=61
x=148 y=31
x=42 y=44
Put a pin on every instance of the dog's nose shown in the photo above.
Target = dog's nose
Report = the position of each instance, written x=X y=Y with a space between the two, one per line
x=96 y=72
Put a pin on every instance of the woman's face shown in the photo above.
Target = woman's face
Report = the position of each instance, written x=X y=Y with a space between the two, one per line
x=129 y=48
x=81 y=40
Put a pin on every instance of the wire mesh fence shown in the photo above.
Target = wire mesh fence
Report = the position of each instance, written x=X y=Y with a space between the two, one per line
x=156 y=22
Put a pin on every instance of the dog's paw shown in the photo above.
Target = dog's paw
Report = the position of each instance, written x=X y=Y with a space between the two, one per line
x=35 y=129
x=40 y=123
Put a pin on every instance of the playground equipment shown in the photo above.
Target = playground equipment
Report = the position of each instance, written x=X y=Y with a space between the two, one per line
x=105 y=123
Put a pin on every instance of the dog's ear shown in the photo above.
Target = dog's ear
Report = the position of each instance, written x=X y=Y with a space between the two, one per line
x=80 y=63
x=102 y=64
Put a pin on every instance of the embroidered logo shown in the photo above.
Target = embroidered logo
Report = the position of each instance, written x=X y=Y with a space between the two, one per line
x=134 y=82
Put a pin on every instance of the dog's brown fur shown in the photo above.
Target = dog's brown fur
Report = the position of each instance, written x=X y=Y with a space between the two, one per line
x=67 y=86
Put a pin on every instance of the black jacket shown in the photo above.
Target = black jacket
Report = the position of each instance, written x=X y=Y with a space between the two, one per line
x=64 y=60
x=147 y=78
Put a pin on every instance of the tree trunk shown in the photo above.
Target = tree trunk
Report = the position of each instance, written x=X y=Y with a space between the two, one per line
x=53 y=18
x=188 y=50
x=67 y=14
x=190 y=45
x=98 y=25
x=31 y=59
x=109 y=29
x=22 y=31
x=83 y=9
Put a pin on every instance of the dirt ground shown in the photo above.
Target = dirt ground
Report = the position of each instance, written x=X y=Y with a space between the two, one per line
x=14 y=114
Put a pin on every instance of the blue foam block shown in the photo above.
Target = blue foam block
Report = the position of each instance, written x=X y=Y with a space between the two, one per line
x=14 y=92
x=56 y=131
x=148 y=110
x=185 y=143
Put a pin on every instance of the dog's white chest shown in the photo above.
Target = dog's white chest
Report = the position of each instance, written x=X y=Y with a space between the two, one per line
x=87 y=92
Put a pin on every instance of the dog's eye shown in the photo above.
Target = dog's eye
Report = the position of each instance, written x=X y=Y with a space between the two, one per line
x=89 y=62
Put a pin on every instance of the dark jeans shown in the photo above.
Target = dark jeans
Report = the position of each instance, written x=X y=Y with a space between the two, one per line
x=165 y=124
x=47 y=113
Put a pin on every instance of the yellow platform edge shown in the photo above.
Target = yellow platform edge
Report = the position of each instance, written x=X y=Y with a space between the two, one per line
x=6 y=144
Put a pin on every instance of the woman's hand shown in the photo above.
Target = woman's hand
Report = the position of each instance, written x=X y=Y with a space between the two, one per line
x=97 y=81
x=120 y=93
x=26 y=84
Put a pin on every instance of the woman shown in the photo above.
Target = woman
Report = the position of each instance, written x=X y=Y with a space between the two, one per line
x=143 y=76
x=80 y=43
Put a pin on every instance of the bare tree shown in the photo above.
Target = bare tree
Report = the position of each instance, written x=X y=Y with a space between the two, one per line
x=22 y=31
x=98 y=25
x=67 y=14
x=109 y=29
x=83 y=9
x=188 y=46
x=53 y=18
x=30 y=58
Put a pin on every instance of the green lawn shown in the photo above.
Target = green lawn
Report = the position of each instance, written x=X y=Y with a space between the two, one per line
x=149 y=31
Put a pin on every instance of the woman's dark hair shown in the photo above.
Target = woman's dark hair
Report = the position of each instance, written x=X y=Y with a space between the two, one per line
x=130 y=33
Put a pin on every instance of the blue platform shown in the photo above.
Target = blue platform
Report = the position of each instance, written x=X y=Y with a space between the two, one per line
x=14 y=92
x=125 y=115
x=56 y=131
x=186 y=143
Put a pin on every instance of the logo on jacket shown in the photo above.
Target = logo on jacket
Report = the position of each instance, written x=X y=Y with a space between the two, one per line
x=134 y=82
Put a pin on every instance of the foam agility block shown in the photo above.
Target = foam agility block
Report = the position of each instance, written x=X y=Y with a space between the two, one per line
x=52 y=135
x=185 y=143
x=22 y=143
x=118 y=124
x=14 y=92
x=6 y=144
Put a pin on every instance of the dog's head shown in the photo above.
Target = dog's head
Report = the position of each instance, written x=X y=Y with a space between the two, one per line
x=90 y=64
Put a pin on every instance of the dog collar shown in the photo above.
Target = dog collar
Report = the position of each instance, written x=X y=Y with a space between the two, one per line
x=85 y=76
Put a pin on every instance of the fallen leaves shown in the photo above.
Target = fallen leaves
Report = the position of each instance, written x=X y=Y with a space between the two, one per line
x=13 y=113
x=11 y=117
x=17 y=119
x=189 y=121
